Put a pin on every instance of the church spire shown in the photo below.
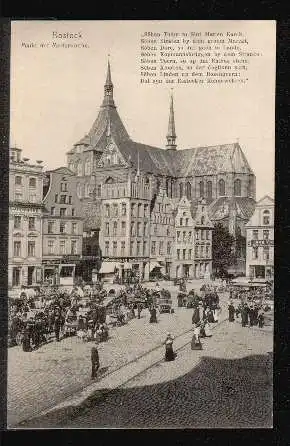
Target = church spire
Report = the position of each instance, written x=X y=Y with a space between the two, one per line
x=108 y=89
x=171 y=135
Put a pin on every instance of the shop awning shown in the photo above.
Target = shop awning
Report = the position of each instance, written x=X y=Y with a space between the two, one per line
x=154 y=265
x=108 y=267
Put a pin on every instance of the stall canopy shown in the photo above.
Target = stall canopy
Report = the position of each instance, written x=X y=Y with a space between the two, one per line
x=108 y=267
x=154 y=265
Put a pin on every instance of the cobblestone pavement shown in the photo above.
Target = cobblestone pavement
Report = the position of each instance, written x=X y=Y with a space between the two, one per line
x=43 y=378
x=226 y=385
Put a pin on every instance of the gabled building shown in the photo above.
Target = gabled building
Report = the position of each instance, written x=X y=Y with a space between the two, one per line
x=62 y=227
x=260 y=240
x=107 y=158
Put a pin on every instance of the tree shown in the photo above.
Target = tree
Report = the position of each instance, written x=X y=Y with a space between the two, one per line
x=223 y=254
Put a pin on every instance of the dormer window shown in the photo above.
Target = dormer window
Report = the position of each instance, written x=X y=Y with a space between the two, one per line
x=266 y=217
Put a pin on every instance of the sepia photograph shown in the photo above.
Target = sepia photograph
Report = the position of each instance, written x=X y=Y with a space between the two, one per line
x=141 y=224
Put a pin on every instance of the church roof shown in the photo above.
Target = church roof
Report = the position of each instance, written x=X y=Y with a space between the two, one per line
x=223 y=206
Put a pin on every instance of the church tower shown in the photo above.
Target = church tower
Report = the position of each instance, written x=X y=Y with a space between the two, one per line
x=171 y=135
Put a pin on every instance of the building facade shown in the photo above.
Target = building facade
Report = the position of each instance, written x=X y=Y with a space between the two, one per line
x=220 y=175
x=260 y=240
x=62 y=227
x=25 y=221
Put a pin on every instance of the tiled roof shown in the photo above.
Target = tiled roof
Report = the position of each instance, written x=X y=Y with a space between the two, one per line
x=223 y=206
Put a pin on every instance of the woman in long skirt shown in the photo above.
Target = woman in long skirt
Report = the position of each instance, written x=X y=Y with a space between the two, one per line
x=169 y=354
x=232 y=311
x=195 y=342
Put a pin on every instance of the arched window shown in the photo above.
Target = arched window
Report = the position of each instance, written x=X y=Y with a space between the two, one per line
x=188 y=190
x=222 y=188
x=109 y=180
x=87 y=190
x=181 y=190
x=202 y=220
x=79 y=190
x=237 y=188
x=209 y=189
x=87 y=167
x=79 y=169
x=201 y=189
x=99 y=190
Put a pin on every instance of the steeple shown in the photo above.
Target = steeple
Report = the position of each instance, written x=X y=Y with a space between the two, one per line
x=171 y=135
x=108 y=89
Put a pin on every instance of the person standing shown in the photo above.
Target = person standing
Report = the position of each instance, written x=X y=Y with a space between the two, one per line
x=57 y=324
x=261 y=319
x=232 y=311
x=139 y=309
x=169 y=354
x=95 y=361
x=251 y=315
x=196 y=315
x=244 y=315
x=153 y=315
x=195 y=341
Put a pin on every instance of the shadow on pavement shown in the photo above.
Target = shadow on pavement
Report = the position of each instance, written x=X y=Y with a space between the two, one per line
x=217 y=393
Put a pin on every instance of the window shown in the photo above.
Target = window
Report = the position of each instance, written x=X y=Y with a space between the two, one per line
x=124 y=209
x=62 y=212
x=201 y=251
x=145 y=210
x=87 y=167
x=207 y=251
x=197 y=234
x=17 y=249
x=73 y=247
x=181 y=222
x=189 y=254
x=266 y=217
x=155 y=229
x=63 y=187
x=17 y=222
x=107 y=229
x=18 y=196
x=52 y=210
x=87 y=190
x=183 y=236
x=133 y=207
x=31 y=223
x=50 y=227
x=161 y=248
x=186 y=222
x=138 y=247
x=115 y=210
x=139 y=229
x=201 y=189
x=196 y=251
x=188 y=190
x=153 y=248
x=180 y=190
x=139 y=210
x=18 y=181
x=145 y=248
x=178 y=236
x=222 y=188
x=107 y=210
x=79 y=169
x=123 y=228
x=79 y=190
x=184 y=254
x=62 y=199
x=207 y=234
x=132 y=228
x=62 y=227
x=202 y=234
x=99 y=190
x=50 y=246
x=32 y=182
x=266 y=253
x=202 y=220
x=106 y=248
x=114 y=229
x=122 y=249
x=131 y=248
x=189 y=236
x=168 y=248
x=255 y=252
x=32 y=198
x=266 y=234
x=255 y=234
x=69 y=199
x=168 y=232
x=237 y=188
x=16 y=277
x=114 y=248
x=178 y=254
x=209 y=189
x=56 y=198
x=73 y=212
x=62 y=247
x=74 y=228
x=31 y=248
x=145 y=229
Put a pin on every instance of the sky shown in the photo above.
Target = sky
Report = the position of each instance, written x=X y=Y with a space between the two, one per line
x=56 y=92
